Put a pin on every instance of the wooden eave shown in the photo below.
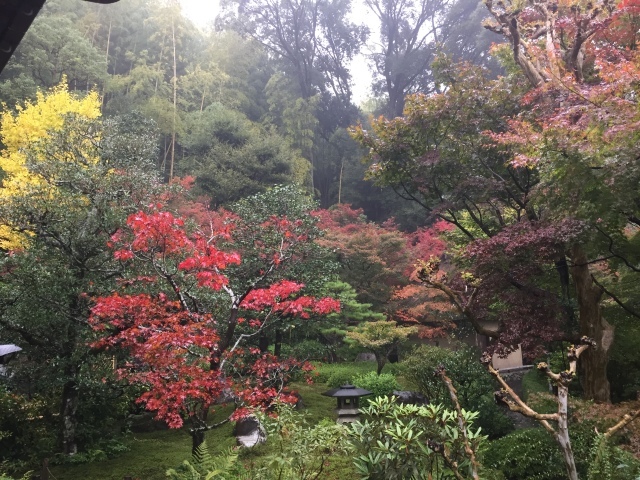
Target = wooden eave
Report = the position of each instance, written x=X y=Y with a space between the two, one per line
x=15 y=19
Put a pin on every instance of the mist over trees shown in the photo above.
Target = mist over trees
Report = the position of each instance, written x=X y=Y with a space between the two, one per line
x=222 y=190
x=275 y=74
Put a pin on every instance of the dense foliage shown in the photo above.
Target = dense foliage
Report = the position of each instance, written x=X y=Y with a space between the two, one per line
x=473 y=383
x=185 y=222
x=409 y=441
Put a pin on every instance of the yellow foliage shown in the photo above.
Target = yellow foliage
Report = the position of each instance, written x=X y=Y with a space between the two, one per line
x=33 y=123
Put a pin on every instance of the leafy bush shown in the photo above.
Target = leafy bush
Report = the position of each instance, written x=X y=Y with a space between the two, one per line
x=27 y=426
x=379 y=385
x=408 y=441
x=474 y=384
x=205 y=467
x=337 y=379
x=533 y=454
x=302 y=451
x=5 y=470
x=608 y=462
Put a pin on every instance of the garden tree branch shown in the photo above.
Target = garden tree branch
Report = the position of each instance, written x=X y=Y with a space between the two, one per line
x=508 y=396
x=508 y=27
x=440 y=449
x=462 y=424
x=25 y=334
x=206 y=428
x=626 y=420
x=427 y=274
x=616 y=299
x=617 y=255
x=236 y=300
x=562 y=381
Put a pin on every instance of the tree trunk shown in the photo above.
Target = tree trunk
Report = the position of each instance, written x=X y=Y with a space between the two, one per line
x=277 y=346
x=175 y=100
x=381 y=360
x=340 y=181
x=593 y=364
x=197 y=439
x=69 y=418
x=562 y=434
x=263 y=343
x=393 y=356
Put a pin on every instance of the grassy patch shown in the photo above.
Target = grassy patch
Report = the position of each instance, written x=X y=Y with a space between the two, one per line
x=151 y=454
x=336 y=374
x=534 y=381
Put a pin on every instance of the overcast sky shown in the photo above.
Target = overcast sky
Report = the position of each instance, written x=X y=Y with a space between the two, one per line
x=203 y=12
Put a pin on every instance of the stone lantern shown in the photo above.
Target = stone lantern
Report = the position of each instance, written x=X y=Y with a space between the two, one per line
x=348 y=398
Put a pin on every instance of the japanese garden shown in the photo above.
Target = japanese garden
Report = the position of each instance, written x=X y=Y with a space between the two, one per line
x=320 y=239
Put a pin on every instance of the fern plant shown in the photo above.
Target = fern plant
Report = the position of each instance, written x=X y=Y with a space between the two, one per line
x=204 y=466
x=609 y=462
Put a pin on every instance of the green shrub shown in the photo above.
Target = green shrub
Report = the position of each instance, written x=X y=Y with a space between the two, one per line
x=408 y=441
x=337 y=379
x=341 y=372
x=27 y=426
x=300 y=450
x=608 y=462
x=533 y=454
x=474 y=384
x=379 y=385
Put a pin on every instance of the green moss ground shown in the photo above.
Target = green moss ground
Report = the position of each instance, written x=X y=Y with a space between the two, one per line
x=151 y=454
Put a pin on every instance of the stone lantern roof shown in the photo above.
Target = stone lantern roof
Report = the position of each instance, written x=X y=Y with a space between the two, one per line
x=347 y=391
x=15 y=19
x=348 y=397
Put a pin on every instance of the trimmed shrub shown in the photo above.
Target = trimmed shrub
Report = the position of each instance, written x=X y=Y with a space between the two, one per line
x=339 y=378
x=306 y=350
x=342 y=371
x=379 y=385
x=533 y=454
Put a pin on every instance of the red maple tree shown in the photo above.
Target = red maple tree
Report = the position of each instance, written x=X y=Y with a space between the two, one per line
x=379 y=262
x=184 y=322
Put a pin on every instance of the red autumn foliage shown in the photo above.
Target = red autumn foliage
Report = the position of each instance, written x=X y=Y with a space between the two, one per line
x=184 y=328
x=379 y=262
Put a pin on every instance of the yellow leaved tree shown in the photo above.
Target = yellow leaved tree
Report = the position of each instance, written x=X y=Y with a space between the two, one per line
x=30 y=125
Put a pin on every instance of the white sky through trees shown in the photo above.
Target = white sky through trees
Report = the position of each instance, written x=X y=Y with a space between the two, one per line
x=203 y=12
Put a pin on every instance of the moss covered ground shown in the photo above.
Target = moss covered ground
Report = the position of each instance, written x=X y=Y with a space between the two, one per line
x=151 y=454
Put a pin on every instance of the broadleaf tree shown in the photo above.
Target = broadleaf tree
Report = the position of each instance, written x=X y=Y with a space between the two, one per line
x=70 y=179
x=198 y=297
x=522 y=181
